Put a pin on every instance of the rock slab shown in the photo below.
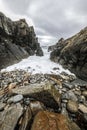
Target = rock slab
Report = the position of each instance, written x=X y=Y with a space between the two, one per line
x=52 y=121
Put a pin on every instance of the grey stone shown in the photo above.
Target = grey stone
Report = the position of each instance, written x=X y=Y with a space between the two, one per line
x=2 y=105
x=15 y=99
x=70 y=96
x=83 y=108
x=84 y=93
x=44 y=92
x=9 y=117
x=81 y=99
x=68 y=85
x=72 y=106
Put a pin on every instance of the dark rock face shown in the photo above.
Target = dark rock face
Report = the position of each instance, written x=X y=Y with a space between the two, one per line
x=72 y=53
x=17 y=41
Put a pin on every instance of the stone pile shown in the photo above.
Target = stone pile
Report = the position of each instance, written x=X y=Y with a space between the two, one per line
x=37 y=102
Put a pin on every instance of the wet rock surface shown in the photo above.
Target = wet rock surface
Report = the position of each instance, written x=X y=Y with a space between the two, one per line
x=33 y=102
x=17 y=41
x=72 y=53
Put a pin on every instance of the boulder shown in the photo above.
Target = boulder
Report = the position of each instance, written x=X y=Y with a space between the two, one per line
x=72 y=54
x=44 y=92
x=52 y=121
x=72 y=106
x=10 y=117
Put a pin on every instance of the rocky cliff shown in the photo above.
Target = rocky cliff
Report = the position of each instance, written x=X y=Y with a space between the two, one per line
x=72 y=53
x=17 y=41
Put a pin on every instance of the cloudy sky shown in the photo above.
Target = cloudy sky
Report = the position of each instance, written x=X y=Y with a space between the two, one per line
x=52 y=19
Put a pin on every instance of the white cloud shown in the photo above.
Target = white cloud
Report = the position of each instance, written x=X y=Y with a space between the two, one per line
x=13 y=16
x=50 y=18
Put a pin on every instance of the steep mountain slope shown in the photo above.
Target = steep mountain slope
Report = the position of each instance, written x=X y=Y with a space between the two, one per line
x=72 y=53
x=17 y=41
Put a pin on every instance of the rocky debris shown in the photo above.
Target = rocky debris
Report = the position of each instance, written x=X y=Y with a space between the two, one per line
x=52 y=121
x=72 y=53
x=69 y=95
x=23 y=96
x=17 y=41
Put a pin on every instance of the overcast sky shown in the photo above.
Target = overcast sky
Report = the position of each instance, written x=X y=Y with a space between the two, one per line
x=52 y=19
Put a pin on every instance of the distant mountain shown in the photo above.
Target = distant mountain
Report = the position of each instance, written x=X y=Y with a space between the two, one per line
x=17 y=41
x=72 y=53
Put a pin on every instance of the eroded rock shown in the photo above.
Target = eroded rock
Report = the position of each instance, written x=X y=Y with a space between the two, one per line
x=9 y=117
x=72 y=106
x=52 y=121
x=44 y=92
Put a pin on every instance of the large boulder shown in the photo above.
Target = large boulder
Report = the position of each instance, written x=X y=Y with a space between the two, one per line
x=17 y=41
x=10 y=117
x=72 y=53
x=44 y=92
x=45 y=120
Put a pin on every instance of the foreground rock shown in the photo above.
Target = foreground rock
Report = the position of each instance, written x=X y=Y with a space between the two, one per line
x=24 y=96
x=43 y=92
x=52 y=121
x=72 y=53
x=17 y=41
x=9 y=118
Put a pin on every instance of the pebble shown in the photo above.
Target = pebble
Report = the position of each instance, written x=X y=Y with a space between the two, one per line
x=64 y=112
x=84 y=93
x=72 y=96
x=12 y=85
x=72 y=106
x=2 y=105
x=78 y=92
x=81 y=99
x=82 y=108
x=27 y=101
x=69 y=95
x=15 y=99
x=68 y=85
